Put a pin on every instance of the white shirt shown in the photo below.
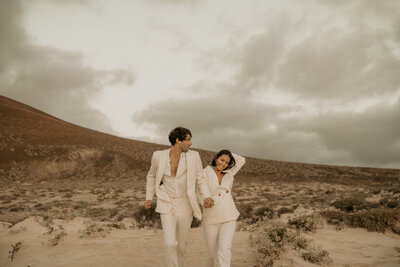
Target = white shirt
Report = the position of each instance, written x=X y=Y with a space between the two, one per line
x=176 y=186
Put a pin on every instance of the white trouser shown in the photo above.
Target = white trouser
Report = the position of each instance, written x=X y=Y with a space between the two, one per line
x=176 y=225
x=219 y=242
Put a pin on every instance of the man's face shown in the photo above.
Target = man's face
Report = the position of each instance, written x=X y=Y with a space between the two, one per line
x=185 y=144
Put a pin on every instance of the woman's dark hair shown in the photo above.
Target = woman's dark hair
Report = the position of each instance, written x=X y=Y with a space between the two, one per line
x=232 y=161
x=178 y=132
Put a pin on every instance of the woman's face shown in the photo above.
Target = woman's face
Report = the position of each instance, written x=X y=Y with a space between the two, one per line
x=222 y=162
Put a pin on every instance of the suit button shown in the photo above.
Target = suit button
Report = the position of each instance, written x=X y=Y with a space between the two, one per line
x=227 y=191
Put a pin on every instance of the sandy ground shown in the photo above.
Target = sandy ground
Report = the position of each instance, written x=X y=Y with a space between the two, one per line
x=350 y=247
x=112 y=247
x=79 y=242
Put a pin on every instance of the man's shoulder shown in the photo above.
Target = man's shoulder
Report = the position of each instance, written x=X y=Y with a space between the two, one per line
x=192 y=152
x=159 y=152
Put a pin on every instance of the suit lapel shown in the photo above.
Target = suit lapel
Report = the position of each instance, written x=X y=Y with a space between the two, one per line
x=213 y=175
x=162 y=164
x=189 y=169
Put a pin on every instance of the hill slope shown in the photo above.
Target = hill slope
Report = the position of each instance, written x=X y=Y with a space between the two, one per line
x=36 y=146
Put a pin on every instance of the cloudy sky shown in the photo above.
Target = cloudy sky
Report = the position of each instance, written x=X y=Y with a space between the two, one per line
x=305 y=81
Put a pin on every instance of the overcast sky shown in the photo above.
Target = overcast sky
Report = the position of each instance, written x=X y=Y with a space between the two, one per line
x=304 y=81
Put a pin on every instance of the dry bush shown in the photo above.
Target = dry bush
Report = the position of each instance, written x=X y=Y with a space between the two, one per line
x=316 y=256
x=245 y=210
x=250 y=215
x=101 y=214
x=57 y=236
x=93 y=230
x=353 y=204
x=271 y=238
x=306 y=223
x=269 y=241
x=285 y=210
x=374 y=220
x=147 y=218
x=390 y=202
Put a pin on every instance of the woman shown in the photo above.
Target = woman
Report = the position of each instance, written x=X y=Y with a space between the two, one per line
x=219 y=222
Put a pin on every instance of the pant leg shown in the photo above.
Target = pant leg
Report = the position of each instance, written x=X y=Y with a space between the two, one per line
x=211 y=232
x=168 y=222
x=226 y=233
x=184 y=216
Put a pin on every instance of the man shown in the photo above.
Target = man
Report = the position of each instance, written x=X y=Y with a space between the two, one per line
x=173 y=176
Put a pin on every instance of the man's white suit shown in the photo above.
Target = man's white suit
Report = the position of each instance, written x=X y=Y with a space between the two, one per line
x=176 y=214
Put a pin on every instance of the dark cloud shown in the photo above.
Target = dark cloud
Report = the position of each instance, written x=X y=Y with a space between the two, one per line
x=326 y=66
x=352 y=57
x=214 y=119
x=341 y=66
x=259 y=57
x=50 y=79
x=368 y=138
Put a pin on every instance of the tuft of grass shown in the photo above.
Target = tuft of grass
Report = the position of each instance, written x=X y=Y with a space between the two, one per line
x=14 y=250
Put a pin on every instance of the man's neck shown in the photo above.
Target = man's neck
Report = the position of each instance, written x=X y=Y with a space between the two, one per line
x=175 y=151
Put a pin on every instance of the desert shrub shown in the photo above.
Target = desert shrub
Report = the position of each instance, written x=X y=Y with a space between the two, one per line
x=41 y=207
x=93 y=230
x=352 y=204
x=269 y=241
x=376 y=191
x=245 y=210
x=317 y=256
x=390 y=203
x=393 y=204
x=147 y=218
x=16 y=208
x=264 y=212
x=329 y=192
x=300 y=242
x=284 y=210
x=394 y=190
x=101 y=213
x=374 y=220
x=307 y=223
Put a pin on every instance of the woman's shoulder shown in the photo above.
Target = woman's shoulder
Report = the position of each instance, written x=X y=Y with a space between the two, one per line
x=207 y=168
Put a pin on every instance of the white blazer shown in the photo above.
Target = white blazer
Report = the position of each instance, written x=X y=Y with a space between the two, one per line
x=224 y=208
x=195 y=176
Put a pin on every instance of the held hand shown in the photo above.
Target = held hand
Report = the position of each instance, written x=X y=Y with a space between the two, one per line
x=208 y=203
x=147 y=204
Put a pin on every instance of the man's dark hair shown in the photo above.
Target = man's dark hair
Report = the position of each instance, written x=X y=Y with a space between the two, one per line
x=178 y=132
x=232 y=160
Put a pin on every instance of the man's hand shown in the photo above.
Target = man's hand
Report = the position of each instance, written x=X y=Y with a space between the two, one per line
x=147 y=204
x=208 y=202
